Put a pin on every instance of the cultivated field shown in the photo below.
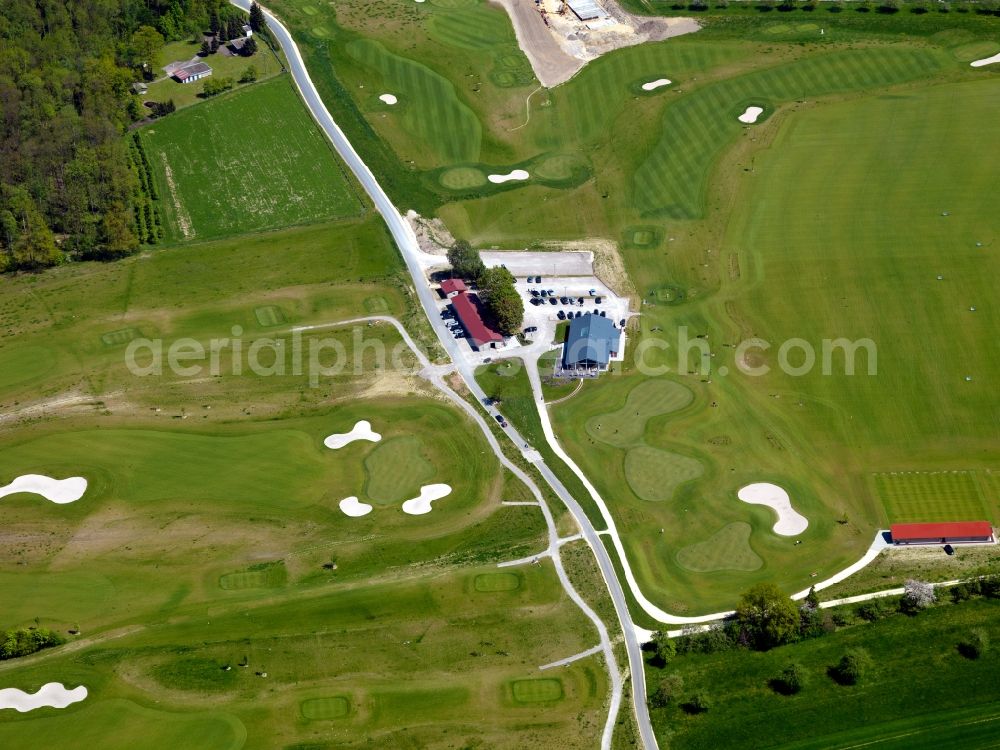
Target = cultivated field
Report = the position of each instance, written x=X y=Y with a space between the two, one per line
x=244 y=162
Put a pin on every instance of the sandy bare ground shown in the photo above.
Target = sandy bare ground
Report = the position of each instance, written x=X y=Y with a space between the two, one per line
x=561 y=48
x=552 y=65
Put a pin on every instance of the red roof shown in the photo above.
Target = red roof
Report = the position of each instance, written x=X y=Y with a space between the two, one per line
x=953 y=530
x=466 y=310
x=453 y=285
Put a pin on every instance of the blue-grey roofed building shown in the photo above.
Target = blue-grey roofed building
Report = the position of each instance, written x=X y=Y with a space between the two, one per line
x=591 y=343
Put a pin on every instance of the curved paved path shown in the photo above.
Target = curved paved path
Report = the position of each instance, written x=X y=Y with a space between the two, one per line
x=406 y=240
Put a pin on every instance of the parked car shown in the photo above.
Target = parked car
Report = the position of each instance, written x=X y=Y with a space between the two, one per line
x=603 y=314
x=531 y=329
x=487 y=401
x=561 y=315
x=564 y=300
x=622 y=322
x=553 y=301
x=579 y=300
x=535 y=301
x=597 y=300
x=538 y=279
x=533 y=292
x=544 y=293
x=552 y=292
x=498 y=418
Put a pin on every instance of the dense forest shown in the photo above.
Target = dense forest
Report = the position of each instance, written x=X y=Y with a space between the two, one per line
x=71 y=184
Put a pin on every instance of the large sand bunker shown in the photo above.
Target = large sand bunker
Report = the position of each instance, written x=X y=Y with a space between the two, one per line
x=389 y=99
x=751 y=114
x=51 y=695
x=790 y=522
x=986 y=61
x=59 y=491
x=653 y=85
x=354 y=508
x=517 y=174
x=361 y=431
x=418 y=506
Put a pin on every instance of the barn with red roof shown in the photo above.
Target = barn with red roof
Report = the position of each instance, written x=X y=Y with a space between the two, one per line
x=954 y=532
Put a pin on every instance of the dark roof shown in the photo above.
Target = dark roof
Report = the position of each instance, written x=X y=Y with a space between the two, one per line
x=473 y=323
x=591 y=339
x=953 y=530
x=453 y=285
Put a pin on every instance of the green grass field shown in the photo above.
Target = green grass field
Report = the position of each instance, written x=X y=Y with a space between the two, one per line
x=912 y=497
x=920 y=693
x=244 y=162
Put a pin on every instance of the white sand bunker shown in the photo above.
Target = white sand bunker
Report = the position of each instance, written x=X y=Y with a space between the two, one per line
x=361 y=431
x=59 y=491
x=986 y=61
x=428 y=494
x=517 y=174
x=751 y=114
x=388 y=98
x=653 y=85
x=354 y=508
x=51 y=695
x=790 y=522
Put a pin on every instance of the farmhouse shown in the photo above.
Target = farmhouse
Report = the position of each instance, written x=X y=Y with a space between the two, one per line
x=591 y=343
x=191 y=71
x=451 y=287
x=468 y=315
x=961 y=532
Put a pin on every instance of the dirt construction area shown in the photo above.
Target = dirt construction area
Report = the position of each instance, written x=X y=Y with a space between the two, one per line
x=558 y=43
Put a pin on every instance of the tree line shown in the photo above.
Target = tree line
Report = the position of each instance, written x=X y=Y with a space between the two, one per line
x=70 y=184
x=496 y=286
x=25 y=641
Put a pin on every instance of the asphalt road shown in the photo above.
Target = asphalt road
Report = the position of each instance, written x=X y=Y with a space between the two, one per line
x=406 y=240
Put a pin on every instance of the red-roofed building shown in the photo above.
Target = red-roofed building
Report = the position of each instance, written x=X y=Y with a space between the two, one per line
x=959 y=532
x=453 y=286
x=468 y=314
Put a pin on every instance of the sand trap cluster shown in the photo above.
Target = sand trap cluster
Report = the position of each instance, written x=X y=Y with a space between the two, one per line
x=517 y=174
x=50 y=695
x=388 y=98
x=653 y=85
x=418 y=506
x=354 y=508
x=751 y=114
x=60 y=491
x=361 y=431
x=790 y=522
x=986 y=61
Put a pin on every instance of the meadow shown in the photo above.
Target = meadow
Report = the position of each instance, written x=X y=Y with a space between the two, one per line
x=920 y=692
x=246 y=161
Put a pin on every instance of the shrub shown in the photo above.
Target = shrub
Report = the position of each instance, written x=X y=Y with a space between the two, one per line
x=698 y=703
x=668 y=691
x=767 y=616
x=872 y=610
x=918 y=595
x=975 y=645
x=790 y=681
x=25 y=641
x=852 y=667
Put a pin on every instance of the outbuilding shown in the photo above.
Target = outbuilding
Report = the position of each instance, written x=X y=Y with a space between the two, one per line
x=192 y=71
x=451 y=287
x=954 y=532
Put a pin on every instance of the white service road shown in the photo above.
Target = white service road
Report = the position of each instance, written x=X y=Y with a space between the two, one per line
x=59 y=491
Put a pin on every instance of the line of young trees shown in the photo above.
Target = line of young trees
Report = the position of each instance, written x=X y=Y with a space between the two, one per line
x=496 y=286
x=68 y=188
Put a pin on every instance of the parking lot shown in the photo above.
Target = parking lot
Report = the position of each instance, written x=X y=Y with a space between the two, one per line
x=548 y=302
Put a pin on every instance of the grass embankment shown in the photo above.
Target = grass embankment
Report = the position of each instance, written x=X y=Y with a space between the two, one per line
x=507 y=382
x=246 y=161
x=920 y=691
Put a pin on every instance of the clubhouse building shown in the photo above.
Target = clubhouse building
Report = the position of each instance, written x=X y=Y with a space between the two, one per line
x=592 y=342
x=960 y=532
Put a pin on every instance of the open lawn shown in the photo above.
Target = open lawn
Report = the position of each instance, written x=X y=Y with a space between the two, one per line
x=246 y=161
x=294 y=671
x=920 y=692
